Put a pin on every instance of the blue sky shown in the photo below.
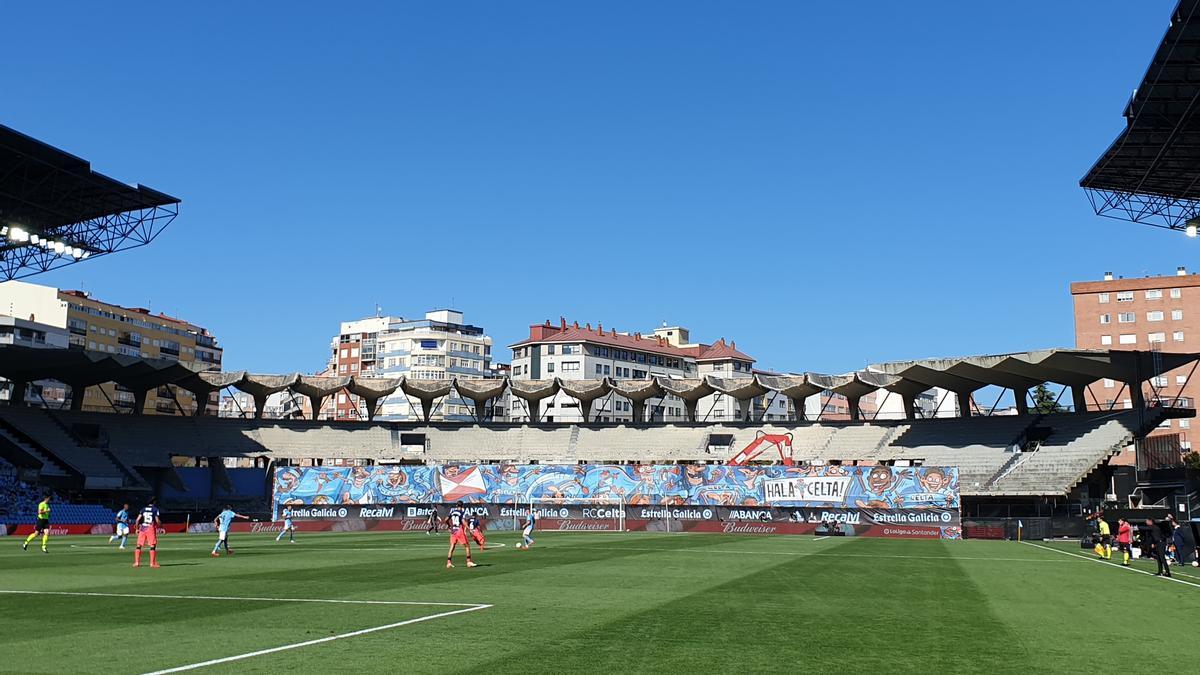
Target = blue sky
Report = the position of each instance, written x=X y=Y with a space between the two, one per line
x=828 y=184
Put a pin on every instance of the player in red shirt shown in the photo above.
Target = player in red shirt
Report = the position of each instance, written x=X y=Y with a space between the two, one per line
x=475 y=528
x=147 y=524
x=457 y=522
x=1124 y=540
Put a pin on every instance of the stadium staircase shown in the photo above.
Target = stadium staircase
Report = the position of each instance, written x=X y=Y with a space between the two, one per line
x=22 y=442
x=96 y=469
x=1076 y=446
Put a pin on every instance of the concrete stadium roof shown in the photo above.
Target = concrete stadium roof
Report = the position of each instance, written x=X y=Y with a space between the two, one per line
x=1018 y=371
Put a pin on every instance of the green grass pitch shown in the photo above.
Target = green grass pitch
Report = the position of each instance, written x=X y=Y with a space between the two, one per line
x=587 y=602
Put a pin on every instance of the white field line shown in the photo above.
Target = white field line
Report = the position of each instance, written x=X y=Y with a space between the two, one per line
x=1111 y=564
x=309 y=643
x=463 y=608
x=153 y=596
x=440 y=547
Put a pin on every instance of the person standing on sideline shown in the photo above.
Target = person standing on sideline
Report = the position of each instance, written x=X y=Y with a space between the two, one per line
x=1124 y=540
x=1158 y=544
x=1104 y=548
x=431 y=522
x=1177 y=540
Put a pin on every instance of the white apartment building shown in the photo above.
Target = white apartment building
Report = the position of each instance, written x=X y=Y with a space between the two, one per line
x=438 y=347
x=574 y=352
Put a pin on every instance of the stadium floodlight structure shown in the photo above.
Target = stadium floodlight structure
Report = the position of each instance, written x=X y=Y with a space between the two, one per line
x=56 y=211
x=1151 y=172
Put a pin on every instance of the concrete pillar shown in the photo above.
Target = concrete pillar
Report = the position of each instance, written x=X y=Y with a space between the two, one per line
x=1079 y=397
x=855 y=411
x=910 y=406
x=316 y=402
x=1135 y=395
x=373 y=405
x=78 y=393
x=17 y=397
x=798 y=406
x=689 y=408
x=585 y=409
x=1021 y=398
x=639 y=411
x=964 y=403
x=139 y=401
x=260 y=402
x=535 y=410
x=201 y=403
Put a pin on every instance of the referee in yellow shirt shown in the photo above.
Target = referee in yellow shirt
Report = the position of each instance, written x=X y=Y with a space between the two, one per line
x=43 y=524
x=1105 y=540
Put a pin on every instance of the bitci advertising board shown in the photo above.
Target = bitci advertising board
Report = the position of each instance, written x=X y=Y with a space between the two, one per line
x=838 y=500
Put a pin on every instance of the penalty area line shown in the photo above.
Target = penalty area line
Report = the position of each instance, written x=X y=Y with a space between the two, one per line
x=309 y=643
x=1111 y=564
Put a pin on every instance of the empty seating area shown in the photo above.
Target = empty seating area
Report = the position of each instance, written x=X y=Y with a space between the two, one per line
x=986 y=450
x=97 y=470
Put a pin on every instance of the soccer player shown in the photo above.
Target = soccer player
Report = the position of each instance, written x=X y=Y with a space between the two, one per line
x=527 y=532
x=122 y=527
x=288 y=527
x=147 y=523
x=222 y=521
x=431 y=521
x=1104 y=548
x=1124 y=540
x=456 y=521
x=42 y=526
x=475 y=528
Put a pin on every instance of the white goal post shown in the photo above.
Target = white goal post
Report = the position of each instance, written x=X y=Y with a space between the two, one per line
x=605 y=514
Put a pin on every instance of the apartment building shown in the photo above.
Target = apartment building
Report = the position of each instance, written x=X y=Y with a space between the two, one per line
x=1150 y=313
x=440 y=346
x=574 y=352
x=101 y=326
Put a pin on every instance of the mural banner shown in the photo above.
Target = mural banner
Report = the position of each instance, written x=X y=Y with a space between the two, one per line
x=873 y=500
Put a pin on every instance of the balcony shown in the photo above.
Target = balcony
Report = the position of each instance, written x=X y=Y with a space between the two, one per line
x=130 y=341
x=173 y=351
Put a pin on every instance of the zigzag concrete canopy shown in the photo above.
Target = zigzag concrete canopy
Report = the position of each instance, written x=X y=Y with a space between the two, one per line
x=586 y=392
x=1019 y=372
x=480 y=391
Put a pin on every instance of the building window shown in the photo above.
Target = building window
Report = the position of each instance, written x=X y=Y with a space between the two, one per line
x=1128 y=339
x=1175 y=293
x=1106 y=340
x=1154 y=294
x=1180 y=379
x=549 y=367
x=1105 y=319
x=1185 y=424
x=570 y=366
x=549 y=349
x=345 y=353
x=1104 y=298
x=1160 y=381
x=1177 y=336
x=1157 y=337
x=1177 y=315
x=1108 y=384
x=1154 y=316
x=606 y=370
x=1126 y=317
x=1125 y=296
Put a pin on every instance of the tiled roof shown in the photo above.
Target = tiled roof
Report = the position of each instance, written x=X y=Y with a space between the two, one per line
x=574 y=333
x=720 y=351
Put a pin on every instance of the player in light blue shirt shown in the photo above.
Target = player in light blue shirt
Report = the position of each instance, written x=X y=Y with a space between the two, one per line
x=288 y=527
x=527 y=532
x=122 y=527
x=222 y=521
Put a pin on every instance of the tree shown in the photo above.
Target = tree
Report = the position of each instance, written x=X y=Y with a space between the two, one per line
x=1044 y=402
x=1192 y=460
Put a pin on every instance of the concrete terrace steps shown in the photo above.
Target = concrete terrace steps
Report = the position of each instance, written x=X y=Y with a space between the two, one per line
x=50 y=467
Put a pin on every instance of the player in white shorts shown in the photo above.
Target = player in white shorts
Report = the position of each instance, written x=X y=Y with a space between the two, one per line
x=122 y=527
